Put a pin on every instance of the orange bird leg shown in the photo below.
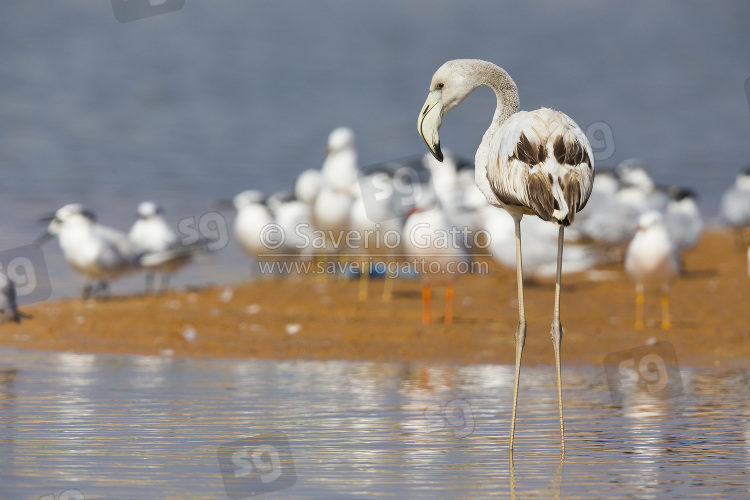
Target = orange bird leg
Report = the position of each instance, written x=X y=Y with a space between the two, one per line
x=425 y=304
x=448 y=304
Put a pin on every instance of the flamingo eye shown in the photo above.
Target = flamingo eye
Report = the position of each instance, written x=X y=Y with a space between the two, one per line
x=439 y=86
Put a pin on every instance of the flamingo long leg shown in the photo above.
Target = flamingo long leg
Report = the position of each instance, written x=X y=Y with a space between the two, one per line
x=556 y=332
x=520 y=335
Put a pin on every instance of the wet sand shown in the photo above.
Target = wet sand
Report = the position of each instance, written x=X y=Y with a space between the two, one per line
x=304 y=318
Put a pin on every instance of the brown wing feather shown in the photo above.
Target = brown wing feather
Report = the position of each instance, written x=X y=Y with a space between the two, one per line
x=529 y=152
x=540 y=195
x=572 y=153
x=542 y=161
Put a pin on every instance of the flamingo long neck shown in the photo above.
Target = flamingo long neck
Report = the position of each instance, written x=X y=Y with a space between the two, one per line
x=506 y=92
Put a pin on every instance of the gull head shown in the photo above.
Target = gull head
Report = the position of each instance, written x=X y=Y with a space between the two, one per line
x=743 y=179
x=71 y=214
x=680 y=194
x=340 y=139
x=148 y=209
x=634 y=172
x=248 y=198
x=650 y=220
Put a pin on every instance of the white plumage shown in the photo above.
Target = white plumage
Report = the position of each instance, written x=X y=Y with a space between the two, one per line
x=99 y=253
x=253 y=218
x=293 y=219
x=735 y=205
x=152 y=235
x=333 y=203
x=539 y=252
x=735 y=202
x=683 y=219
x=604 y=189
x=378 y=228
x=430 y=237
x=276 y=229
x=340 y=166
x=308 y=185
x=457 y=192
x=435 y=250
x=541 y=160
x=615 y=220
x=638 y=184
x=150 y=231
x=651 y=260
x=619 y=202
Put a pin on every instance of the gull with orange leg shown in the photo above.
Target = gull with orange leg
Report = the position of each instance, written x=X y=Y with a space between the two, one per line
x=652 y=259
x=335 y=196
x=436 y=249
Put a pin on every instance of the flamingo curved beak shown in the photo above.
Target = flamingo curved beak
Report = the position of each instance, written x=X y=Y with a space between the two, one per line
x=429 y=121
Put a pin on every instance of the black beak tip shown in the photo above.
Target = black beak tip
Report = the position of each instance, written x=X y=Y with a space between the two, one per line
x=438 y=154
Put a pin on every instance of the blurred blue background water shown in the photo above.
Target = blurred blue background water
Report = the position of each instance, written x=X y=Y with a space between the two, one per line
x=199 y=104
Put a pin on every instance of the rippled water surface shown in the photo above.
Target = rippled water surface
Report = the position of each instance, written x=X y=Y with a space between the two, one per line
x=150 y=427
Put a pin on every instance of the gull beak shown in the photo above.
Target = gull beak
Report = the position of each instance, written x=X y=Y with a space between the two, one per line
x=43 y=238
x=429 y=121
x=52 y=225
x=223 y=205
x=46 y=219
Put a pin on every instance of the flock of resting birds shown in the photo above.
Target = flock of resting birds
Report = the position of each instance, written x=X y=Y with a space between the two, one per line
x=536 y=163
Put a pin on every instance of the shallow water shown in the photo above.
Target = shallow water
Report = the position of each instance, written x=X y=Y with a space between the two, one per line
x=197 y=105
x=150 y=427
